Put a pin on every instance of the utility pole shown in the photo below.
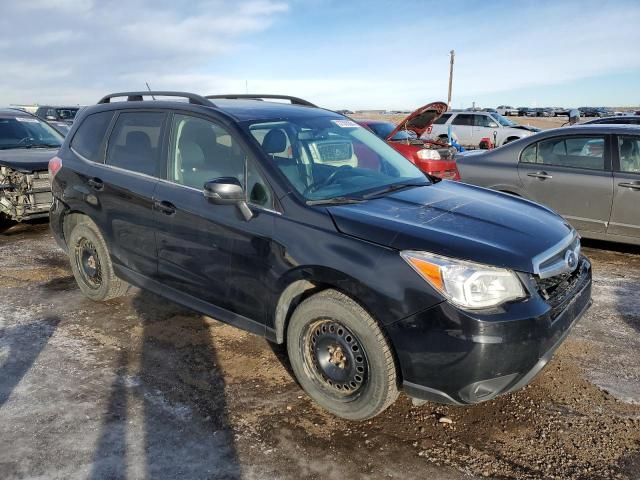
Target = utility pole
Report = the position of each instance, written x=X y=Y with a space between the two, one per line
x=452 y=53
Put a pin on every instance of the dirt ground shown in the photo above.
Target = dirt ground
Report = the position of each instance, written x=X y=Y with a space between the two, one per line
x=140 y=387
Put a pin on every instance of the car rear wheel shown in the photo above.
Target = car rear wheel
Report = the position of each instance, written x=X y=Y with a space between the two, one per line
x=5 y=223
x=91 y=264
x=341 y=357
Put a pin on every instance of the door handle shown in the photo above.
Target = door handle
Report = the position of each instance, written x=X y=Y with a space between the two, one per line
x=95 y=183
x=165 y=207
x=540 y=175
x=632 y=186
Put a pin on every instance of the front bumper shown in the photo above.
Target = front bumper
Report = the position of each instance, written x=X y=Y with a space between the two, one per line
x=450 y=356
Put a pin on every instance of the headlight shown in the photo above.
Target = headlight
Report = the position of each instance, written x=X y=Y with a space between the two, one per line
x=466 y=284
x=428 y=154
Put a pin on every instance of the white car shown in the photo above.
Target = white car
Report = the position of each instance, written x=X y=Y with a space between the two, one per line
x=471 y=127
x=506 y=111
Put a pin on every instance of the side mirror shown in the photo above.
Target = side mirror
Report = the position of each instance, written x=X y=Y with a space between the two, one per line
x=227 y=191
x=50 y=117
x=574 y=116
x=493 y=125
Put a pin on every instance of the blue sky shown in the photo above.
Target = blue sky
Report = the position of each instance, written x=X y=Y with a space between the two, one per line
x=340 y=54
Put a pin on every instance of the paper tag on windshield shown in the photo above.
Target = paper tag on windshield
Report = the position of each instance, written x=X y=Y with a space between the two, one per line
x=27 y=119
x=346 y=123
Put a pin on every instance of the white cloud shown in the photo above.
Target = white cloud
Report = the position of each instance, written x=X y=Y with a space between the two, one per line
x=77 y=49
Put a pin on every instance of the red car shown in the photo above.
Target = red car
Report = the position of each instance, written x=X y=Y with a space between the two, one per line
x=431 y=157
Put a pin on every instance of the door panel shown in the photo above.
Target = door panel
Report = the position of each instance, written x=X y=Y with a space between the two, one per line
x=550 y=174
x=125 y=186
x=625 y=214
x=207 y=250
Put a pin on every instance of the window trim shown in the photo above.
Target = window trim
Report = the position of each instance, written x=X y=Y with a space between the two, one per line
x=607 y=153
x=170 y=144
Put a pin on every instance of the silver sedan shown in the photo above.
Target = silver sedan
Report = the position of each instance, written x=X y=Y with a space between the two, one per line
x=589 y=174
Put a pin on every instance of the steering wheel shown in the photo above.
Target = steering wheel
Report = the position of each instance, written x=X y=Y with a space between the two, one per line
x=327 y=181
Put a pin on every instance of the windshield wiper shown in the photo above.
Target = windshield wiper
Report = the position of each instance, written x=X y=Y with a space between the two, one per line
x=335 y=201
x=42 y=145
x=392 y=188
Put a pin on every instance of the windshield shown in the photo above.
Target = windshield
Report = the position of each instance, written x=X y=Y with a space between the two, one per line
x=27 y=132
x=333 y=158
x=66 y=113
x=505 y=122
x=383 y=130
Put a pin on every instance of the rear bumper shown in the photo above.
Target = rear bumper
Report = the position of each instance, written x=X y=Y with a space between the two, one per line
x=450 y=356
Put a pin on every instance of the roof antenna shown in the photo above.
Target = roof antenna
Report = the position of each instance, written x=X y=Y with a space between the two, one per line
x=149 y=88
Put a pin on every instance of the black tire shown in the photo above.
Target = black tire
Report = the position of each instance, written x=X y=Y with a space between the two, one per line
x=356 y=380
x=91 y=264
x=510 y=139
x=5 y=223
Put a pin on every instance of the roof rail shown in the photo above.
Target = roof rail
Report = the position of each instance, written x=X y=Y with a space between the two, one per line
x=138 y=97
x=257 y=96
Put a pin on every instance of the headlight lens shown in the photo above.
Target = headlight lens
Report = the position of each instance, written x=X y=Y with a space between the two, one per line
x=466 y=284
x=428 y=154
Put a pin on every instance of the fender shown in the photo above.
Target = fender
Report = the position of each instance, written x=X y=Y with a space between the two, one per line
x=298 y=284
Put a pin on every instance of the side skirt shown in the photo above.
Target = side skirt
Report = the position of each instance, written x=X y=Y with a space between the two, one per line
x=196 y=304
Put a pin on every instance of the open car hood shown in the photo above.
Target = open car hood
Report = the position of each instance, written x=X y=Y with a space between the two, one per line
x=421 y=119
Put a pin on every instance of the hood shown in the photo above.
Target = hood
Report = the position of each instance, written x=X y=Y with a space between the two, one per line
x=527 y=127
x=27 y=159
x=456 y=220
x=421 y=119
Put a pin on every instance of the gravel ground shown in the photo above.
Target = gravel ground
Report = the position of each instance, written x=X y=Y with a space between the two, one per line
x=139 y=387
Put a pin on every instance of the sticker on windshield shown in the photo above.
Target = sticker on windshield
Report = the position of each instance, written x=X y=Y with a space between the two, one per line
x=346 y=123
x=27 y=119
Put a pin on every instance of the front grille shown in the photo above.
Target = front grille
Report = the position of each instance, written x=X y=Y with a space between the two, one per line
x=557 y=290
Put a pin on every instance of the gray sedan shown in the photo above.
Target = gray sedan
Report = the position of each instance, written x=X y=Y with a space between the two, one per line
x=589 y=174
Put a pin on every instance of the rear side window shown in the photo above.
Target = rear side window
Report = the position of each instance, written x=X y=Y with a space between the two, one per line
x=443 y=119
x=463 y=119
x=88 y=139
x=135 y=142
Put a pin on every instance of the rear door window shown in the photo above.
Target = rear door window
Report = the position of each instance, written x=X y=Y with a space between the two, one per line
x=575 y=152
x=443 y=119
x=88 y=139
x=463 y=119
x=629 y=153
x=135 y=142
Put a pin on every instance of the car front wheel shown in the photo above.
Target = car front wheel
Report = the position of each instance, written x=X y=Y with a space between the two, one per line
x=341 y=357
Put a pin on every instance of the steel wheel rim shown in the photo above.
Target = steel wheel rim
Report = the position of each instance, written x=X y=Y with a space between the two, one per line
x=336 y=358
x=88 y=263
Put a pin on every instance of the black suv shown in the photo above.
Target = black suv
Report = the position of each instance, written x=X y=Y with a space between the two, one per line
x=297 y=224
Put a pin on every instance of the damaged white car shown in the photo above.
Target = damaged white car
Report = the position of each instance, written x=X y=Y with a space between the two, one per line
x=26 y=145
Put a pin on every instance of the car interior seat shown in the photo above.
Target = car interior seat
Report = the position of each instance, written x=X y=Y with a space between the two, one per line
x=274 y=142
x=629 y=156
x=137 y=151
